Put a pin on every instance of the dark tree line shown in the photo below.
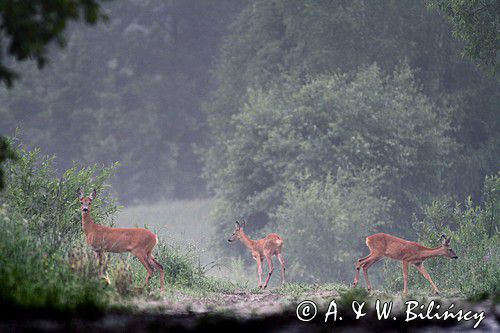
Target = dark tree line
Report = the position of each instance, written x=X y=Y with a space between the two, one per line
x=127 y=90
x=164 y=87
x=319 y=92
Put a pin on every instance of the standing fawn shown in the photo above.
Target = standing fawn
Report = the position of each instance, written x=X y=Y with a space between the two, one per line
x=263 y=248
x=384 y=245
x=140 y=242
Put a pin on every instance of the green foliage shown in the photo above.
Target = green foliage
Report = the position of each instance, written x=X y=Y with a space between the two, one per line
x=369 y=127
x=45 y=262
x=324 y=223
x=475 y=238
x=127 y=91
x=6 y=153
x=41 y=229
x=476 y=23
x=32 y=279
x=121 y=276
x=274 y=42
x=48 y=202
x=30 y=26
x=349 y=295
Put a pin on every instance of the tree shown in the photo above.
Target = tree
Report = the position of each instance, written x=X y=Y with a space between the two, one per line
x=366 y=123
x=29 y=27
x=131 y=90
x=477 y=23
x=273 y=41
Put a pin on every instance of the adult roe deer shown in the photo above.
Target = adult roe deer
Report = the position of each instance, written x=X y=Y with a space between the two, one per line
x=139 y=241
x=384 y=245
x=266 y=247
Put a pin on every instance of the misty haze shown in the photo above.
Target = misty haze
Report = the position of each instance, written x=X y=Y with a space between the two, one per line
x=294 y=129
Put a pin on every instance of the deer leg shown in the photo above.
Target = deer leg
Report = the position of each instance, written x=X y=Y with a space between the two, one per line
x=143 y=259
x=367 y=264
x=405 y=277
x=271 y=270
x=99 y=260
x=356 y=278
x=364 y=258
x=282 y=263
x=365 y=273
x=158 y=266
x=259 y=270
x=358 y=267
x=426 y=275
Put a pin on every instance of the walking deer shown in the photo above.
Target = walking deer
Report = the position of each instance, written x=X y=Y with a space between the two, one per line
x=263 y=248
x=140 y=242
x=384 y=245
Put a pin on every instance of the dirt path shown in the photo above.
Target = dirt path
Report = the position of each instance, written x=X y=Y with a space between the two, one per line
x=241 y=304
x=241 y=311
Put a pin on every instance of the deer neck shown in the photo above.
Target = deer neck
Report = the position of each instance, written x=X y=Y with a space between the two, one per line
x=247 y=241
x=430 y=253
x=87 y=223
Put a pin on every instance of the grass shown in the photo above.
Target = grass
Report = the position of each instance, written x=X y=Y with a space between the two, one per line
x=185 y=224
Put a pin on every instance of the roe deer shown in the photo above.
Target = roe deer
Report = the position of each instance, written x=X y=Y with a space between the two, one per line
x=384 y=245
x=139 y=241
x=263 y=248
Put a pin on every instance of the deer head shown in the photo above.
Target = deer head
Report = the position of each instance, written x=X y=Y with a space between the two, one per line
x=85 y=201
x=237 y=231
x=447 y=250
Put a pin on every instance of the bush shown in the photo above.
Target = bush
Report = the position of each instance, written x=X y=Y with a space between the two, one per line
x=32 y=279
x=359 y=124
x=324 y=223
x=48 y=202
x=475 y=233
x=45 y=262
x=40 y=266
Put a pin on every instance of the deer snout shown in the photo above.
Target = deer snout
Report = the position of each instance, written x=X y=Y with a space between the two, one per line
x=85 y=209
x=455 y=257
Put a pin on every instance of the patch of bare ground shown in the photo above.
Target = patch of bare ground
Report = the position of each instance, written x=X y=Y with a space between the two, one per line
x=251 y=311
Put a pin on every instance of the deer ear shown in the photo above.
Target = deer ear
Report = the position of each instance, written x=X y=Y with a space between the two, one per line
x=237 y=224
x=448 y=240
x=79 y=193
x=93 y=195
x=443 y=239
x=244 y=223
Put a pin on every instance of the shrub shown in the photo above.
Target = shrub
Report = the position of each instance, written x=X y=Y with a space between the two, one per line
x=48 y=203
x=30 y=278
x=475 y=233
x=361 y=123
x=43 y=260
x=325 y=223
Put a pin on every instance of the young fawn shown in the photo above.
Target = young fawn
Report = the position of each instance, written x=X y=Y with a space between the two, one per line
x=384 y=245
x=263 y=248
x=140 y=242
